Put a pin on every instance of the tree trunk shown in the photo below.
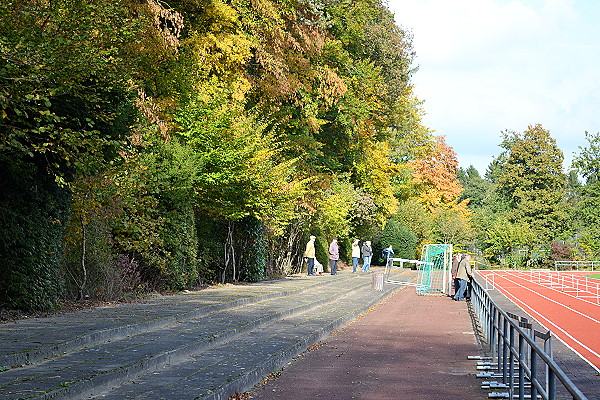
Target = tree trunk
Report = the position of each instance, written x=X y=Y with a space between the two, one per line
x=83 y=268
x=229 y=252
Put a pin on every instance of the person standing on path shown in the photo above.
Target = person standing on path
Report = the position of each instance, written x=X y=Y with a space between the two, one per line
x=455 y=262
x=463 y=275
x=334 y=255
x=309 y=253
x=355 y=254
x=367 y=253
x=387 y=253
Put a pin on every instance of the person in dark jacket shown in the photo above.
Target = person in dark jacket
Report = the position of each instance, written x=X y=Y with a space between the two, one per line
x=455 y=262
x=367 y=253
x=387 y=254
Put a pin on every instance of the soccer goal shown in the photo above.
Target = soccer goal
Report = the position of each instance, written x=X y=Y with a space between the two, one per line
x=434 y=274
x=402 y=261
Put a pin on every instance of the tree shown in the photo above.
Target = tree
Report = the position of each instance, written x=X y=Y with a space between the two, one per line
x=66 y=105
x=532 y=181
x=586 y=211
x=451 y=227
x=475 y=188
x=203 y=132
x=438 y=189
x=505 y=239
x=418 y=218
x=402 y=239
x=436 y=177
x=66 y=98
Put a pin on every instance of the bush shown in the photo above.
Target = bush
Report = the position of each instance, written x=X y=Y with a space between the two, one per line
x=32 y=215
x=402 y=239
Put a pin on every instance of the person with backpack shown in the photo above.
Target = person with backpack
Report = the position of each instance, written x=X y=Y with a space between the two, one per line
x=387 y=254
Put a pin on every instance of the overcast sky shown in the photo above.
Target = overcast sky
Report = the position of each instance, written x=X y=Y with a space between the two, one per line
x=486 y=66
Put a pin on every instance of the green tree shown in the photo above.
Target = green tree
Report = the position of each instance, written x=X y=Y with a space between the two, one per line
x=586 y=212
x=475 y=188
x=240 y=173
x=33 y=211
x=505 y=239
x=531 y=180
x=402 y=239
x=451 y=227
x=66 y=105
x=204 y=126
x=66 y=98
x=418 y=218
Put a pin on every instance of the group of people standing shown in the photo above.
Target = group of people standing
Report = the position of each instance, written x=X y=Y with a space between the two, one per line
x=461 y=274
x=309 y=254
x=365 y=251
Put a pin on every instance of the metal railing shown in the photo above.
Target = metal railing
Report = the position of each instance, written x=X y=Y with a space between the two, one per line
x=522 y=367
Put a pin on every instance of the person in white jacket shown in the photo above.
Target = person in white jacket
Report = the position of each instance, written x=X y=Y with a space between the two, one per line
x=355 y=254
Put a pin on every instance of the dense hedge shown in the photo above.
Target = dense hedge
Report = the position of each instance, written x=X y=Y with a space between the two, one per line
x=33 y=212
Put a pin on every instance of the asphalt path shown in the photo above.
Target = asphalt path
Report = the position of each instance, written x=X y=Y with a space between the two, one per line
x=407 y=347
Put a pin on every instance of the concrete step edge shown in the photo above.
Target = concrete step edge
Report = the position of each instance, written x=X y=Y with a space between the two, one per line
x=89 y=386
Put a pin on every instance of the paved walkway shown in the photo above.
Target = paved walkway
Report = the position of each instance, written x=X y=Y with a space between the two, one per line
x=409 y=347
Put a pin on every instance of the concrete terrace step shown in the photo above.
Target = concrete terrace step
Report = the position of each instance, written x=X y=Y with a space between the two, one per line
x=237 y=365
x=212 y=352
x=107 y=362
x=29 y=341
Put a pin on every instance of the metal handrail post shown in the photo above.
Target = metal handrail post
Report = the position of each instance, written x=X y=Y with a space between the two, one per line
x=493 y=323
x=522 y=352
x=533 y=366
x=551 y=389
x=502 y=338
x=511 y=361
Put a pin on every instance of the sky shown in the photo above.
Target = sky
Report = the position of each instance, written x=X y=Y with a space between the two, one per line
x=487 y=66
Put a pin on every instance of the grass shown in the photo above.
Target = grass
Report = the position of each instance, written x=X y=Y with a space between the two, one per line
x=595 y=276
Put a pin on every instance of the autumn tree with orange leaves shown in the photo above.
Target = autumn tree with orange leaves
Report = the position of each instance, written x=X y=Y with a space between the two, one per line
x=435 y=212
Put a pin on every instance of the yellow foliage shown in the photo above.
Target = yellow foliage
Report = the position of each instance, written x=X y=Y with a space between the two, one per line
x=374 y=172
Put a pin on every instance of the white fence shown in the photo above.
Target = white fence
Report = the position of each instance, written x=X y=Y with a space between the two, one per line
x=577 y=265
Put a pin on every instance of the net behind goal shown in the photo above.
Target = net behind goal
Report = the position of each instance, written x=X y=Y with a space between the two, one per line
x=434 y=275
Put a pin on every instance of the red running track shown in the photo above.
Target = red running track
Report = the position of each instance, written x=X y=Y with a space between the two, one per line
x=574 y=321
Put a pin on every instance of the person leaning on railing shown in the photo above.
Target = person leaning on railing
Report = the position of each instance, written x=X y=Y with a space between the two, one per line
x=463 y=275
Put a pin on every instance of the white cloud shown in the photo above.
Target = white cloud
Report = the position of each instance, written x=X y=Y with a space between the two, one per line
x=490 y=65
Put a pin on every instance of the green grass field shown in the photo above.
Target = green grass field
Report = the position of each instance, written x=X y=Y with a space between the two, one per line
x=595 y=276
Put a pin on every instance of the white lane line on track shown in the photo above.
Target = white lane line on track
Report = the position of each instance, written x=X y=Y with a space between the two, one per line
x=552 y=300
x=526 y=306
x=523 y=275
